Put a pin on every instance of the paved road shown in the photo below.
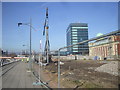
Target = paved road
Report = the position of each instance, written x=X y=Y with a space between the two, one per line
x=18 y=77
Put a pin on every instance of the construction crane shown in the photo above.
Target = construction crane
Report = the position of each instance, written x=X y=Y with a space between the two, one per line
x=47 y=44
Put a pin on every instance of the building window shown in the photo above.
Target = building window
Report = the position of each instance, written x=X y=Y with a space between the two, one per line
x=76 y=46
x=74 y=29
x=75 y=51
x=74 y=37
x=75 y=40
x=74 y=32
x=79 y=27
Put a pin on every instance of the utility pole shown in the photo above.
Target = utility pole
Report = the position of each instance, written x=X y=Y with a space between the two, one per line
x=30 y=60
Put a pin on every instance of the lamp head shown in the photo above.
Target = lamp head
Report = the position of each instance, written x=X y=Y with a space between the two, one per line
x=19 y=24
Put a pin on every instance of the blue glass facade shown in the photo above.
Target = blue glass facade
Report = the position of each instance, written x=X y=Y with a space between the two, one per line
x=77 y=32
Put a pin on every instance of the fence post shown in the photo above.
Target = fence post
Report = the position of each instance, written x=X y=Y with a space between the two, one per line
x=59 y=68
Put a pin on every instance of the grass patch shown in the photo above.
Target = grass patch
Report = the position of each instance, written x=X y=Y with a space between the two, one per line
x=76 y=82
x=91 y=85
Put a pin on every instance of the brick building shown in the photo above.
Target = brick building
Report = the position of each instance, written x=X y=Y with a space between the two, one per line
x=106 y=48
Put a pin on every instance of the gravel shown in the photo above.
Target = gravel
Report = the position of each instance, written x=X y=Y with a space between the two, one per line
x=111 y=67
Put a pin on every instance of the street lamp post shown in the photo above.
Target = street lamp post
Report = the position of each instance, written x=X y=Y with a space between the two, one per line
x=30 y=60
x=29 y=24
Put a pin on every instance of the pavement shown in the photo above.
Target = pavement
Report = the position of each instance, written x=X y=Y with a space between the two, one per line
x=19 y=77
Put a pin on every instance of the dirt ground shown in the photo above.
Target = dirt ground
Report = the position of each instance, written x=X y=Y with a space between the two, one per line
x=79 y=74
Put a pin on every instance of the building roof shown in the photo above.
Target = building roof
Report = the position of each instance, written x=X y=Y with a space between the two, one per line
x=78 y=25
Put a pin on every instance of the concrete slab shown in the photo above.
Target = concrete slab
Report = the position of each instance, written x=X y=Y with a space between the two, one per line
x=18 y=77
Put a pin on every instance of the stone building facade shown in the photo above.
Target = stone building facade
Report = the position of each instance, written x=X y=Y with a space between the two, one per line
x=106 y=48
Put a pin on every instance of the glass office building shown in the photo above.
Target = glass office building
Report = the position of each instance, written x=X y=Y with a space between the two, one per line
x=77 y=32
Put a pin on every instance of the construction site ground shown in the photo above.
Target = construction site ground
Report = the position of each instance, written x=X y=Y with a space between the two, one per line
x=78 y=74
